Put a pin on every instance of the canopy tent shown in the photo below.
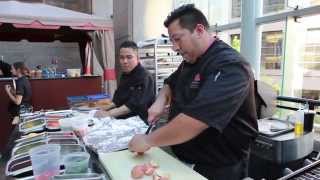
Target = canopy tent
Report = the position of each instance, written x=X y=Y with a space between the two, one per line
x=37 y=22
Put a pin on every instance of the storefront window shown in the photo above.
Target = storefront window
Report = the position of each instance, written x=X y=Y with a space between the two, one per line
x=270 y=6
x=217 y=11
x=302 y=58
x=235 y=41
x=271 y=70
x=273 y=6
x=302 y=4
x=271 y=50
x=236 y=9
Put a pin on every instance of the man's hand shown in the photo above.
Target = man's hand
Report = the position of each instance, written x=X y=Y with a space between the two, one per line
x=139 y=144
x=158 y=107
x=155 y=112
x=101 y=114
x=7 y=88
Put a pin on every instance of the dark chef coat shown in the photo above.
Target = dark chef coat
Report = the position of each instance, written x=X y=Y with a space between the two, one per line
x=217 y=90
x=137 y=91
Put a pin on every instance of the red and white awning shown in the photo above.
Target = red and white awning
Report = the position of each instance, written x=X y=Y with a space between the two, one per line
x=42 y=16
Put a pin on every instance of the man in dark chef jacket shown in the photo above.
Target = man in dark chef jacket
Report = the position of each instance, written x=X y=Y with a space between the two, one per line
x=212 y=119
x=136 y=91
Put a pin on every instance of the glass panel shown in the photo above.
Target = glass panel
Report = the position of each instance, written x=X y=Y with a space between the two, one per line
x=302 y=58
x=302 y=3
x=235 y=41
x=236 y=9
x=273 y=6
x=231 y=37
x=272 y=55
x=270 y=6
x=224 y=12
x=217 y=11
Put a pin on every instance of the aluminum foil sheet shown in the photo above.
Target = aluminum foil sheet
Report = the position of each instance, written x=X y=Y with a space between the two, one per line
x=109 y=135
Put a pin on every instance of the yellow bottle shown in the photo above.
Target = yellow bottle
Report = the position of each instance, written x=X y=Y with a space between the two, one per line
x=298 y=128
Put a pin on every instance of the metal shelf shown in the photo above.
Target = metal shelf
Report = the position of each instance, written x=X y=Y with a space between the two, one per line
x=162 y=55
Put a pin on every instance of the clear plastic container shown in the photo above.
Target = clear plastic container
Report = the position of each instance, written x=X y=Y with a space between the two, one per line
x=76 y=163
x=45 y=160
x=66 y=124
x=80 y=127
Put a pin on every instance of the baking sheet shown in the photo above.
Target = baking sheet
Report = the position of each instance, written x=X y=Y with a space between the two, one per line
x=109 y=135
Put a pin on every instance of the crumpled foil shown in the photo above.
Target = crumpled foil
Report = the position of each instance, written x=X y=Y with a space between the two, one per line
x=109 y=135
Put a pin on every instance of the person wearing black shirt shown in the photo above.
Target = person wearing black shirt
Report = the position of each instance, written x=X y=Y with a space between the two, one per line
x=212 y=119
x=136 y=90
x=20 y=95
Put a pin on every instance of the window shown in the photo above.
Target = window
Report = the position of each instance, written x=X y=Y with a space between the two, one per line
x=217 y=12
x=236 y=9
x=302 y=58
x=271 y=70
x=311 y=59
x=273 y=6
x=235 y=41
x=231 y=37
x=271 y=49
x=302 y=4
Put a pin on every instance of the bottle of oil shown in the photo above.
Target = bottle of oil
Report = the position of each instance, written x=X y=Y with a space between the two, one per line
x=298 y=124
x=298 y=128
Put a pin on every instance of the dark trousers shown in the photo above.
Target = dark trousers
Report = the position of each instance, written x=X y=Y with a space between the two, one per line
x=6 y=154
x=234 y=172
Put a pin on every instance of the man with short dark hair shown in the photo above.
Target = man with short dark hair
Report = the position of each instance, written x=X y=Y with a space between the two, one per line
x=136 y=91
x=212 y=119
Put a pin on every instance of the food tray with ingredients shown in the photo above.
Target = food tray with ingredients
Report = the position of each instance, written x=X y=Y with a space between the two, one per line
x=32 y=125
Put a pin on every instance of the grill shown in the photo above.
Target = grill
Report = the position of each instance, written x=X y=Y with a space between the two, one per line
x=310 y=172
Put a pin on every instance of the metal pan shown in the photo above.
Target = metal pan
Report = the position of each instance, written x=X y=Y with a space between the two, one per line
x=22 y=164
x=32 y=126
x=86 y=176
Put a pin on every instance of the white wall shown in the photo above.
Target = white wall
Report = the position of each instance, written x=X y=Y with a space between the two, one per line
x=148 y=18
x=102 y=8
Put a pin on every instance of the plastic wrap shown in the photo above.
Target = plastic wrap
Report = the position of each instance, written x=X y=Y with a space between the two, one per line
x=108 y=135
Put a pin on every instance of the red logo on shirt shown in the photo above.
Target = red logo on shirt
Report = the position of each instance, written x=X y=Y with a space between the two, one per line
x=196 y=81
x=197 y=77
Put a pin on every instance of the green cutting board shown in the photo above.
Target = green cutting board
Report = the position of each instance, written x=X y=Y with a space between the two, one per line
x=119 y=165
